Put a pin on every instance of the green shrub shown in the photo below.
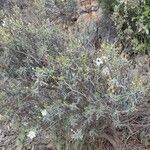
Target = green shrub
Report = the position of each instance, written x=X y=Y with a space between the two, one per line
x=132 y=19
x=108 y=5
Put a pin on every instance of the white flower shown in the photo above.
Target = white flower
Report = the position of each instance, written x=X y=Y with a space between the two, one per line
x=106 y=71
x=104 y=58
x=44 y=112
x=99 y=61
x=31 y=134
x=4 y=23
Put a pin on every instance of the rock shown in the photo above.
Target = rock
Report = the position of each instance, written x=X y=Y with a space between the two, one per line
x=93 y=25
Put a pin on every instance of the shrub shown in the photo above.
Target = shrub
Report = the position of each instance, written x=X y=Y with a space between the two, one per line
x=132 y=22
x=92 y=96
x=50 y=84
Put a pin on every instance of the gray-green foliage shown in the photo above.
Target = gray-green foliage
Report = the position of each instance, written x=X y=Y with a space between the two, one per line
x=46 y=69
x=62 y=11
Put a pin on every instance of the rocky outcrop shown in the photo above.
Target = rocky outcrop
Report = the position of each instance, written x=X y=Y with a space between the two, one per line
x=93 y=25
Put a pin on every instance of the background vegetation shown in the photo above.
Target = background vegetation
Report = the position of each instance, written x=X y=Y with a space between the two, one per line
x=132 y=20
